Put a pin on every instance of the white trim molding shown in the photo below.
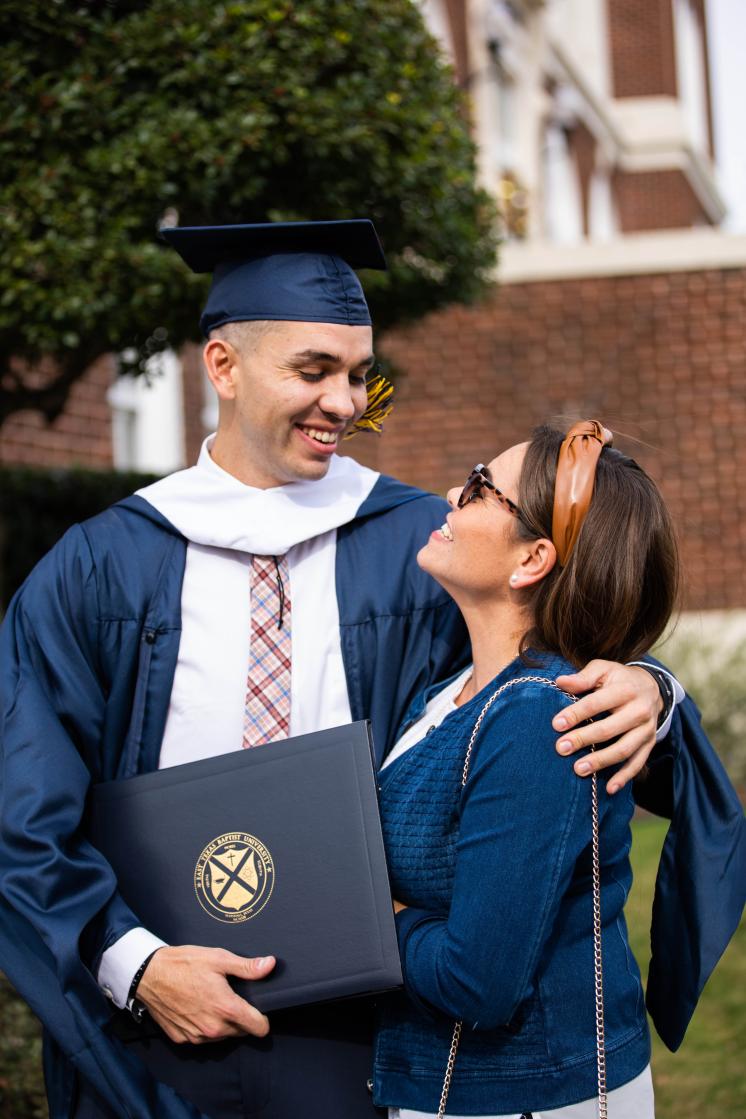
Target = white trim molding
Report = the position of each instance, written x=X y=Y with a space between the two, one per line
x=687 y=250
x=655 y=137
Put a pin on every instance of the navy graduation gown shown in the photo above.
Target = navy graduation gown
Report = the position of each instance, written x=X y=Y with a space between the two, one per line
x=89 y=650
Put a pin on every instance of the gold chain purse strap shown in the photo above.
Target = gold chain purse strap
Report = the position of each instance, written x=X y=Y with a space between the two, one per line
x=597 y=963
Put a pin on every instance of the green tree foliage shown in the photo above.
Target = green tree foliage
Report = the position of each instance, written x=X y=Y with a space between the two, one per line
x=115 y=114
x=708 y=655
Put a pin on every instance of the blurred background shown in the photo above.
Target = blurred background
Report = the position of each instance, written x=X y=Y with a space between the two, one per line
x=602 y=140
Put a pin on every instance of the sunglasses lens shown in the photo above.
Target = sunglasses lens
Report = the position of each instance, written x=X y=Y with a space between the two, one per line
x=471 y=489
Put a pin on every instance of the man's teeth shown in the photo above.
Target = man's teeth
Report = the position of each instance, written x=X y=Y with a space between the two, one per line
x=445 y=530
x=321 y=436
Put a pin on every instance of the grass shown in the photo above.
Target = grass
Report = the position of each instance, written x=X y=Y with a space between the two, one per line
x=704 y=1079
x=21 y=1092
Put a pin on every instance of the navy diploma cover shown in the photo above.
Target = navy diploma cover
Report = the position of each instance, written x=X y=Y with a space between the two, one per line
x=275 y=850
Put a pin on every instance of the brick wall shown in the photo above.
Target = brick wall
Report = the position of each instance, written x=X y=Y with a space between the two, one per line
x=582 y=147
x=660 y=358
x=81 y=436
x=456 y=15
x=650 y=200
x=643 y=61
x=194 y=400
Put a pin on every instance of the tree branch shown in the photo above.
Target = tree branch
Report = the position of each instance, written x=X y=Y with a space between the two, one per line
x=50 y=398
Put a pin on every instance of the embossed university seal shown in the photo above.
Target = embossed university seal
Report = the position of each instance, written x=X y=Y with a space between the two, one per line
x=234 y=876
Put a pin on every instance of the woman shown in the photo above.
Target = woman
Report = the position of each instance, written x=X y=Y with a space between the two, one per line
x=559 y=551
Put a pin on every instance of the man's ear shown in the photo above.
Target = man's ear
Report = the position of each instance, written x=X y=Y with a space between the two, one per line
x=221 y=363
x=536 y=559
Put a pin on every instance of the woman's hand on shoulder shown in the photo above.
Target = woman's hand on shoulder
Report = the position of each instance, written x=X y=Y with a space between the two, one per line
x=631 y=696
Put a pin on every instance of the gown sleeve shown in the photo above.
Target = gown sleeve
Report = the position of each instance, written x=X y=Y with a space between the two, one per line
x=53 y=706
x=59 y=904
x=700 y=887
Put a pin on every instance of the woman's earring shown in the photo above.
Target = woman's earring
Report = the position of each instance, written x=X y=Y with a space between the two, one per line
x=513 y=579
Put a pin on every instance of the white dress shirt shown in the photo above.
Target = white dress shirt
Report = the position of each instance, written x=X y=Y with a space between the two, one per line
x=226 y=523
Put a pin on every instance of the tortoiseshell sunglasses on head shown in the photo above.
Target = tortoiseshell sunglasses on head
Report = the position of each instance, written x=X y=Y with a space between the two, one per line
x=478 y=481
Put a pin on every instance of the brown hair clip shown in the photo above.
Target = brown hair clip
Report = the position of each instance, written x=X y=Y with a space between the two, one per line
x=573 y=488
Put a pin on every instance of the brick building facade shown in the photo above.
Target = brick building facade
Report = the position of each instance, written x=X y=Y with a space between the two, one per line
x=643 y=54
x=597 y=114
x=597 y=311
x=658 y=357
x=81 y=436
x=643 y=58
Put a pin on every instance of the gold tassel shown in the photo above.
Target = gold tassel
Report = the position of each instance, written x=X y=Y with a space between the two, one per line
x=380 y=392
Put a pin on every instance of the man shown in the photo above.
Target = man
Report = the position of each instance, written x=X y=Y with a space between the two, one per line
x=129 y=649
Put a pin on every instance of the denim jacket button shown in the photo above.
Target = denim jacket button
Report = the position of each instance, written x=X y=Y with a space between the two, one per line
x=369 y=1086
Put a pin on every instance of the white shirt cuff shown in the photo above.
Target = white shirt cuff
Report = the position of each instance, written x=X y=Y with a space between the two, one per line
x=119 y=964
x=678 y=695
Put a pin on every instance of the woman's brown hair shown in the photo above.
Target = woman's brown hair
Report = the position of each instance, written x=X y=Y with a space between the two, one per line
x=619 y=586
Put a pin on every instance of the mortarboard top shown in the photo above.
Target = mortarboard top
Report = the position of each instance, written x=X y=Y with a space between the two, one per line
x=294 y=271
x=204 y=247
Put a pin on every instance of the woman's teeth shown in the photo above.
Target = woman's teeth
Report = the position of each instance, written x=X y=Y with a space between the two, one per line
x=320 y=436
x=445 y=530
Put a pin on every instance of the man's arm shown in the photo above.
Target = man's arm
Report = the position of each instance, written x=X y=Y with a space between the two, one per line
x=632 y=698
x=52 y=723
x=187 y=993
x=184 y=988
x=53 y=715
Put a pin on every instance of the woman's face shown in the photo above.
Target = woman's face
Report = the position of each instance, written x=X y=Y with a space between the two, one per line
x=475 y=552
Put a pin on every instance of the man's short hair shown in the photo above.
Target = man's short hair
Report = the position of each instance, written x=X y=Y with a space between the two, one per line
x=243 y=336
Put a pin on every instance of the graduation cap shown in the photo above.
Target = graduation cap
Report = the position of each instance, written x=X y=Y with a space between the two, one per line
x=289 y=271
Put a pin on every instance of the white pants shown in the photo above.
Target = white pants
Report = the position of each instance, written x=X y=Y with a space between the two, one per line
x=632 y=1101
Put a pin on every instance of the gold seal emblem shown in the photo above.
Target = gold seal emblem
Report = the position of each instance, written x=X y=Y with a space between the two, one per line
x=234 y=876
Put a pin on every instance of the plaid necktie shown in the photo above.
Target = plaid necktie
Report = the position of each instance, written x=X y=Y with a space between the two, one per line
x=267 y=713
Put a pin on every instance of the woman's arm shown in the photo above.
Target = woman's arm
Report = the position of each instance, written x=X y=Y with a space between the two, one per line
x=525 y=819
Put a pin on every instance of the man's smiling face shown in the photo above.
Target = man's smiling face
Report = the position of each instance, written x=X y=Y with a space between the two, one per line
x=287 y=398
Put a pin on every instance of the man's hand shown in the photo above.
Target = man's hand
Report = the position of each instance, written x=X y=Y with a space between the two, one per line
x=632 y=697
x=186 y=992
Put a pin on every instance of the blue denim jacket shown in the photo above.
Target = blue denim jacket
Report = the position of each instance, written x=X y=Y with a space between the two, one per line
x=499 y=930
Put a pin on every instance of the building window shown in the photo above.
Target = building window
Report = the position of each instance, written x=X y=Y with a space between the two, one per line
x=210 y=413
x=147 y=417
x=436 y=17
x=563 y=214
x=602 y=223
x=506 y=117
x=690 y=73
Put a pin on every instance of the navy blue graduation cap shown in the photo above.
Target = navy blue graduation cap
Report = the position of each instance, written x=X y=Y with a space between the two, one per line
x=295 y=271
